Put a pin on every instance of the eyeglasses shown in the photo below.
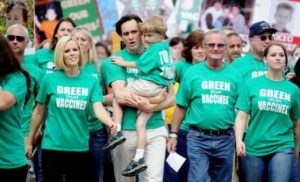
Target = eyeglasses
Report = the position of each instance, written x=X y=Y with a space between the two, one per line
x=265 y=37
x=213 y=45
x=15 y=37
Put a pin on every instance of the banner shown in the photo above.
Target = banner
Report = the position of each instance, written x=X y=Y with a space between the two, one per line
x=283 y=16
x=17 y=12
x=109 y=15
x=84 y=13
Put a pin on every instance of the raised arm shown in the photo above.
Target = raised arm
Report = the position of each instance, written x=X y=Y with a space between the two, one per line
x=120 y=61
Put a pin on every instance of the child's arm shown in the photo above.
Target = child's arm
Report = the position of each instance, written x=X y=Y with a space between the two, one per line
x=120 y=61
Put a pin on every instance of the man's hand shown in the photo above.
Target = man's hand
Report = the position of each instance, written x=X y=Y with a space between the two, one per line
x=143 y=104
x=171 y=145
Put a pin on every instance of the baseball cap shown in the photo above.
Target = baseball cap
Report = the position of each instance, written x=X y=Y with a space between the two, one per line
x=260 y=27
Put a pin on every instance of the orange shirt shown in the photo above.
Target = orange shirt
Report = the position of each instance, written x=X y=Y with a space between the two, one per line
x=48 y=28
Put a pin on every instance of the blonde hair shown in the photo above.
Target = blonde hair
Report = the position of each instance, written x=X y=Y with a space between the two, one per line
x=92 y=55
x=59 y=53
x=154 y=24
x=18 y=26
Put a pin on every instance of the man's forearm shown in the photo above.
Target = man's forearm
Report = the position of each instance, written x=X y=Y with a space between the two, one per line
x=178 y=116
x=168 y=102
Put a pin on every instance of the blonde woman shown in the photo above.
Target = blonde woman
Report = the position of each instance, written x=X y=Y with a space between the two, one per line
x=67 y=94
x=98 y=135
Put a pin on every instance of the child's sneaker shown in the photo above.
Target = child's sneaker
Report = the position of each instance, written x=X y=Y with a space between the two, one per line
x=134 y=168
x=114 y=141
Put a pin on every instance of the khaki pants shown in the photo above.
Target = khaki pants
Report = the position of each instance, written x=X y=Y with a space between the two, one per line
x=154 y=155
x=144 y=88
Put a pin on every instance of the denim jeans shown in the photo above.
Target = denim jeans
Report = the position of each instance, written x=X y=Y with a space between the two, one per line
x=211 y=156
x=97 y=140
x=169 y=174
x=37 y=162
x=277 y=166
x=295 y=175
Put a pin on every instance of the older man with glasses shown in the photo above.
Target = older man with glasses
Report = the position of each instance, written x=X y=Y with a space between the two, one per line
x=252 y=65
x=206 y=100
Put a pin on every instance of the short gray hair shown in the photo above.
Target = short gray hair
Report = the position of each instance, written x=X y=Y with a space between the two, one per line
x=24 y=29
x=214 y=31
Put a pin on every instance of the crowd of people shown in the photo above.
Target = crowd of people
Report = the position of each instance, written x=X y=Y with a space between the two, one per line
x=80 y=113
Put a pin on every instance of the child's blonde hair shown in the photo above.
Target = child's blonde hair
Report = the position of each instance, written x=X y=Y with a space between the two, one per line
x=154 y=24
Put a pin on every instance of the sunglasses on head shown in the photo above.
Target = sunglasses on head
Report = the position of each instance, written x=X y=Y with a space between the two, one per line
x=213 y=45
x=16 y=37
x=265 y=37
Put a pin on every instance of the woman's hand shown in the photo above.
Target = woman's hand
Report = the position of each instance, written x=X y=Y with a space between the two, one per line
x=240 y=148
x=28 y=148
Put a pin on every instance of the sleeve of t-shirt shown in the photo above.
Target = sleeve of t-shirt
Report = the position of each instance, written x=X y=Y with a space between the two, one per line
x=111 y=72
x=36 y=58
x=16 y=85
x=243 y=101
x=37 y=76
x=184 y=93
x=177 y=72
x=148 y=60
x=296 y=105
x=96 y=93
x=240 y=82
x=42 y=96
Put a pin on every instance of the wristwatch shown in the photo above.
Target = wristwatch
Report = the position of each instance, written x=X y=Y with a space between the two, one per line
x=173 y=135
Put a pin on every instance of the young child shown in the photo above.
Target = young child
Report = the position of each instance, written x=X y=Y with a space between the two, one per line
x=283 y=16
x=155 y=67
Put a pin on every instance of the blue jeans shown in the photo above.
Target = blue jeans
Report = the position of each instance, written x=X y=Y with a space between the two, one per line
x=169 y=174
x=211 y=156
x=295 y=176
x=37 y=162
x=97 y=140
x=277 y=166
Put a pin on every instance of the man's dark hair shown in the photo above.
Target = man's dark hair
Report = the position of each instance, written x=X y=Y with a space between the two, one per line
x=124 y=19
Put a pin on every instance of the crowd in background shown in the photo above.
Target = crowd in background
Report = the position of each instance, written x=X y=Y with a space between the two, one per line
x=233 y=115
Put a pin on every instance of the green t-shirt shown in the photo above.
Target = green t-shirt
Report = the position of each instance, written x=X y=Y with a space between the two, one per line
x=12 y=150
x=250 y=67
x=111 y=73
x=67 y=100
x=44 y=59
x=36 y=75
x=156 y=64
x=180 y=69
x=210 y=96
x=272 y=105
x=94 y=123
